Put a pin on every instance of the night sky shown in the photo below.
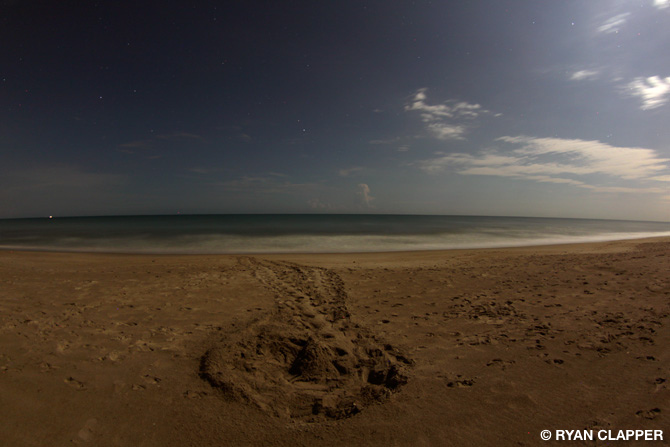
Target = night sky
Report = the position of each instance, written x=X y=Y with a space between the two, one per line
x=533 y=108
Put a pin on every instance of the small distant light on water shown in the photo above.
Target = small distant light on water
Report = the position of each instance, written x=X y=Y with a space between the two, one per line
x=51 y=217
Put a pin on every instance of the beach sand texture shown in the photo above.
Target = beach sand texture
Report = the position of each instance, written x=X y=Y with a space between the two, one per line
x=462 y=348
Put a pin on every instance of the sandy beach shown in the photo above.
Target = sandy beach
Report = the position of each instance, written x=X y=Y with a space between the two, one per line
x=448 y=348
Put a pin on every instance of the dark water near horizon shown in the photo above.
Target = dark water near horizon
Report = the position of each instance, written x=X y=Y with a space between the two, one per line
x=308 y=233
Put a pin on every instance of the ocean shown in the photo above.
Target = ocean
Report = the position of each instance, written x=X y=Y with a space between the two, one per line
x=306 y=233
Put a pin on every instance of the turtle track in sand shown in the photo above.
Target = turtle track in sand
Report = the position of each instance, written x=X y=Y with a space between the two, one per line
x=306 y=360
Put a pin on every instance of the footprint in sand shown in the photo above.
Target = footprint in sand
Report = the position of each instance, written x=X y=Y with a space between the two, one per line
x=86 y=434
x=458 y=381
x=651 y=414
x=500 y=363
x=191 y=394
x=151 y=380
x=554 y=361
x=47 y=367
x=76 y=384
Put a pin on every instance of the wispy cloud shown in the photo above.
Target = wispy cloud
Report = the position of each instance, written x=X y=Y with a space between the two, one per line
x=662 y=4
x=445 y=131
x=446 y=121
x=584 y=75
x=236 y=132
x=364 y=195
x=386 y=141
x=613 y=24
x=560 y=161
x=400 y=144
x=594 y=156
x=654 y=91
x=348 y=171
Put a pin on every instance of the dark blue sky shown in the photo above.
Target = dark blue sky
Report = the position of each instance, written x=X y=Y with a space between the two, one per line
x=541 y=108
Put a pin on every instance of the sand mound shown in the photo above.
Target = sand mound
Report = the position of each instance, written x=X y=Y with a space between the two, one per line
x=307 y=360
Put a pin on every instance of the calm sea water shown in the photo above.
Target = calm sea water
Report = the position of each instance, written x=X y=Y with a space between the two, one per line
x=307 y=233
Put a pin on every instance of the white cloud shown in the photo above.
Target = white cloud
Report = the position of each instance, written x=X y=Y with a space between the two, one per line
x=593 y=156
x=556 y=160
x=623 y=189
x=654 y=91
x=445 y=121
x=558 y=180
x=364 y=195
x=444 y=131
x=583 y=75
x=613 y=24
x=451 y=109
x=662 y=4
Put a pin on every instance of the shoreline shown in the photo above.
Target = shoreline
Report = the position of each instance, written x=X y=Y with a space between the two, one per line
x=453 y=347
x=541 y=247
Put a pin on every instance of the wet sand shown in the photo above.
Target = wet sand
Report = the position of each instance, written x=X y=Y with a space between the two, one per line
x=463 y=347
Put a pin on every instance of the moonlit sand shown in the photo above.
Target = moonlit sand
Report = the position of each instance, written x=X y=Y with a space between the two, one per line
x=461 y=347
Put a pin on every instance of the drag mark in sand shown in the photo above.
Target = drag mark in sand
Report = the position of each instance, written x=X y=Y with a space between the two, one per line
x=307 y=359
